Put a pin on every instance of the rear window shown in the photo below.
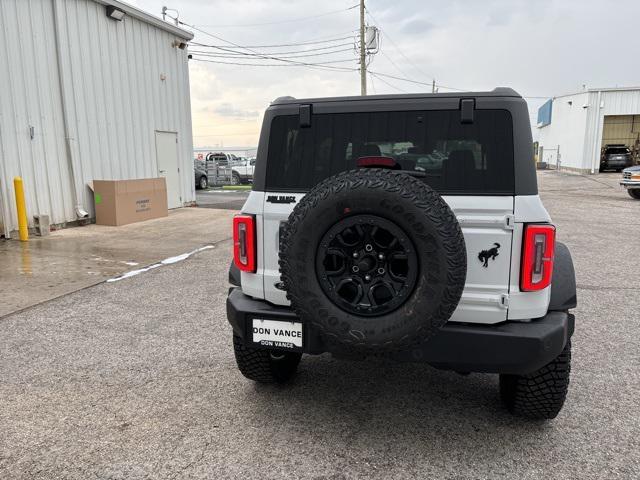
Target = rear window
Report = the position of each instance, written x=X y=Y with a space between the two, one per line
x=618 y=150
x=453 y=158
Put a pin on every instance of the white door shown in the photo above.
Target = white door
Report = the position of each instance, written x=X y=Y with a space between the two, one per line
x=167 y=155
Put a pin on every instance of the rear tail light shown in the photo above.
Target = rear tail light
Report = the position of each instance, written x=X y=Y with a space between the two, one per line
x=537 y=257
x=244 y=242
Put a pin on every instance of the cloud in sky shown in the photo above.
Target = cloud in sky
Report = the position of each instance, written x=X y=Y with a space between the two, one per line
x=538 y=47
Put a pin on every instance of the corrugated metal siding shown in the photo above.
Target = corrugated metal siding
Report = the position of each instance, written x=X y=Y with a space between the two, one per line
x=601 y=104
x=579 y=131
x=30 y=96
x=115 y=98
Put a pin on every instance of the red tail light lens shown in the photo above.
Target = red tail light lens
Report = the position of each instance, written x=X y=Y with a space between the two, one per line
x=537 y=257
x=244 y=242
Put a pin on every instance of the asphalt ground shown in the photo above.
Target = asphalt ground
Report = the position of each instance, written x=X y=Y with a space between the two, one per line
x=136 y=379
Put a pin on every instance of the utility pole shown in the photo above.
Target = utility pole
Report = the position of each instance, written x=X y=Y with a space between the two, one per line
x=433 y=86
x=363 y=53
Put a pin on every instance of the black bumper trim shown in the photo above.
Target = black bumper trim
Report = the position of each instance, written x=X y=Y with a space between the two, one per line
x=510 y=347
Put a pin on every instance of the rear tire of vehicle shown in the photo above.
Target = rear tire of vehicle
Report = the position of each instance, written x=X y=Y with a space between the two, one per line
x=539 y=395
x=204 y=183
x=235 y=179
x=634 y=193
x=265 y=366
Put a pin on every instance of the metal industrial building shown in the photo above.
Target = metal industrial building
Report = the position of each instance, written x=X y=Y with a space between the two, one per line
x=90 y=89
x=573 y=129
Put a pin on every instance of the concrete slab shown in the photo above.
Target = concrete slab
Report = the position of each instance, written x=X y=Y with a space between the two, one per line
x=76 y=258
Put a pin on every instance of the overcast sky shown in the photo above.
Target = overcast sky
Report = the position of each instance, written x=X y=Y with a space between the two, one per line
x=539 y=47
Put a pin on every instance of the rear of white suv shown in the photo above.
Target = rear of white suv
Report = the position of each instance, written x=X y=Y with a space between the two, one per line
x=325 y=169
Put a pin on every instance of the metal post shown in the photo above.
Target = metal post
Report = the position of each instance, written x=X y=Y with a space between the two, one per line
x=21 y=209
x=363 y=53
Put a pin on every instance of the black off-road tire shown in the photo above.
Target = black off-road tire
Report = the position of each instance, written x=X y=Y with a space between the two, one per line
x=265 y=366
x=539 y=395
x=634 y=193
x=414 y=208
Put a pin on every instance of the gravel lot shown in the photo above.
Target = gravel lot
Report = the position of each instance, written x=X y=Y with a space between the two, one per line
x=136 y=379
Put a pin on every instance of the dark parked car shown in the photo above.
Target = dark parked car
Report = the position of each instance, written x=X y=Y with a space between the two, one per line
x=615 y=157
x=200 y=174
x=631 y=181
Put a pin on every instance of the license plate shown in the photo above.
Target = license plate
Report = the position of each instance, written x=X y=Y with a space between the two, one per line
x=277 y=334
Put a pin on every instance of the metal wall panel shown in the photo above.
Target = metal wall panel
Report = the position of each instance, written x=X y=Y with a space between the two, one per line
x=120 y=82
x=578 y=123
x=565 y=132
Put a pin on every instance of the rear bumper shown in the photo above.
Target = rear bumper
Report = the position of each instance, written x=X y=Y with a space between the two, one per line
x=510 y=347
x=616 y=163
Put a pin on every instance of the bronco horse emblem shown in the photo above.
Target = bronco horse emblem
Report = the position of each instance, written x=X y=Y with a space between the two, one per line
x=485 y=255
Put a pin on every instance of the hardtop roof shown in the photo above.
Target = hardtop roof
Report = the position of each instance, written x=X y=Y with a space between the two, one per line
x=496 y=92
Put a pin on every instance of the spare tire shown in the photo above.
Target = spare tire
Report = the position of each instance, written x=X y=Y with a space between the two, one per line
x=373 y=260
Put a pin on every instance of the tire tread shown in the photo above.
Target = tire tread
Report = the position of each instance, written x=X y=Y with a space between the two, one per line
x=541 y=394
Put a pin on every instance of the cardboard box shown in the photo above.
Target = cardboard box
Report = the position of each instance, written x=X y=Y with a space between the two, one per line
x=119 y=202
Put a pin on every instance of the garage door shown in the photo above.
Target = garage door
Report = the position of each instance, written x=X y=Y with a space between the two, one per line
x=621 y=129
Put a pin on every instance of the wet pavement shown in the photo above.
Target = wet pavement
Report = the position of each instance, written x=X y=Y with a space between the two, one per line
x=76 y=258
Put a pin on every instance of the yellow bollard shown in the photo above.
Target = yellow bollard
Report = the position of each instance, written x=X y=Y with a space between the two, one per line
x=21 y=209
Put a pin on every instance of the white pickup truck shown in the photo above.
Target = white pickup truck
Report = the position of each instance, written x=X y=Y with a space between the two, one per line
x=242 y=170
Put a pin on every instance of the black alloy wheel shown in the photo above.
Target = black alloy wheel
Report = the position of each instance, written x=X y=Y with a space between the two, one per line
x=367 y=265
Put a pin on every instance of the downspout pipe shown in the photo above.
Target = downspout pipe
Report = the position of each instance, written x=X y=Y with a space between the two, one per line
x=595 y=155
x=69 y=135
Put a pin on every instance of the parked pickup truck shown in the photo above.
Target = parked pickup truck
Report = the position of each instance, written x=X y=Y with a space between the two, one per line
x=243 y=171
x=631 y=181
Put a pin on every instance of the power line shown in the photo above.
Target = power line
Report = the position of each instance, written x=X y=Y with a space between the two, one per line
x=279 y=22
x=396 y=46
x=310 y=42
x=386 y=83
x=321 y=65
x=257 y=54
x=393 y=63
x=418 y=68
x=373 y=86
x=416 y=81
x=328 y=47
x=251 y=55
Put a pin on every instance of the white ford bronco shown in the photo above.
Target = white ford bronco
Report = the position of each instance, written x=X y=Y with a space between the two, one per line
x=408 y=226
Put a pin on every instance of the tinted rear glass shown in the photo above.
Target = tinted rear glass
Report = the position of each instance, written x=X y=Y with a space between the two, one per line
x=454 y=158
x=617 y=150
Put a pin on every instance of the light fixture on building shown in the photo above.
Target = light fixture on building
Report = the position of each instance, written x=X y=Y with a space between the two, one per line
x=115 y=13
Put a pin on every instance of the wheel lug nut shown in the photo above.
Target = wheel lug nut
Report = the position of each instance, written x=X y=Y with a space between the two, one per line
x=355 y=254
x=368 y=247
x=381 y=256
x=367 y=277
x=355 y=269
x=381 y=271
